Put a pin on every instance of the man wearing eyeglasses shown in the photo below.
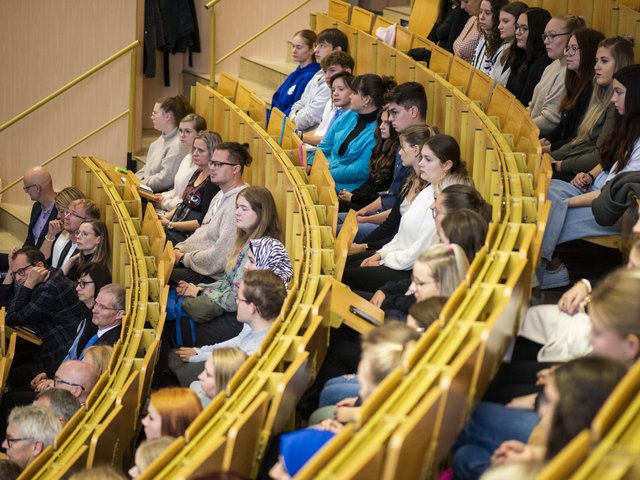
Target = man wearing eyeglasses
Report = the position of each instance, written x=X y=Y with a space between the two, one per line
x=45 y=302
x=30 y=431
x=77 y=377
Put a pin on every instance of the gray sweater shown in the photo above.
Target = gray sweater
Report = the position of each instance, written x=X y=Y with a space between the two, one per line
x=163 y=159
x=206 y=251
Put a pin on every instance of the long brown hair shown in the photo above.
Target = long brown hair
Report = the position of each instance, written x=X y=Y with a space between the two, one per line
x=267 y=224
x=384 y=152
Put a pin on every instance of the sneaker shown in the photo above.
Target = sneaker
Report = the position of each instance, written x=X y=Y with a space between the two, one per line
x=555 y=279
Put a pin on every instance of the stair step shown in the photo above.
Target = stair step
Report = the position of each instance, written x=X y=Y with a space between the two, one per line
x=268 y=72
x=397 y=13
x=14 y=221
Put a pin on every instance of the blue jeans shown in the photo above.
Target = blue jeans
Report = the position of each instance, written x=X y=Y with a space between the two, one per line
x=339 y=388
x=566 y=223
x=489 y=426
x=364 y=229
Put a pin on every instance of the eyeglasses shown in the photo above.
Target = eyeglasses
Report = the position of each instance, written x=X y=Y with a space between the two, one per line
x=73 y=214
x=83 y=283
x=57 y=380
x=420 y=283
x=27 y=187
x=80 y=233
x=219 y=164
x=570 y=51
x=12 y=441
x=552 y=36
x=521 y=28
x=22 y=271
x=99 y=306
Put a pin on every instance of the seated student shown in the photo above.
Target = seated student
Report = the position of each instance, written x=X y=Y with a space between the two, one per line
x=383 y=349
x=381 y=165
x=550 y=90
x=216 y=373
x=529 y=59
x=98 y=356
x=55 y=230
x=306 y=113
x=256 y=218
x=39 y=186
x=571 y=217
x=291 y=89
x=260 y=299
x=202 y=256
x=511 y=55
x=464 y=227
x=371 y=237
x=407 y=106
x=583 y=152
x=422 y=314
x=164 y=155
x=76 y=376
x=147 y=452
x=580 y=56
x=615 y=314
x=573 y=396
x=491 y=46
x=190 y=125
x=45 y=302
x=92 y=278
x=92 y=243
x=296 y=449
x=440 y=157
x=30 y=431
x=65 y=245
x=450 y=22
x=348 y=143
x=62 y=403
x=187 y=216
x=437 y=272
x=332 y=64
x=170 y=412
x=464 y=45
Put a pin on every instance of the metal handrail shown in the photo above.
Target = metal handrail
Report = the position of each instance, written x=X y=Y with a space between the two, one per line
x=66 y=87
x=130 y=111
x=73 y=145
x=213 y=61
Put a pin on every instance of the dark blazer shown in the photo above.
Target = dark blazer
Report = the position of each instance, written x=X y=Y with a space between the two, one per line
x=86 y=330
x=36 y=210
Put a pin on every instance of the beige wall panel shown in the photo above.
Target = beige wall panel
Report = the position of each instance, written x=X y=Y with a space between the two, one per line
x=154 y=87
x=43 y=45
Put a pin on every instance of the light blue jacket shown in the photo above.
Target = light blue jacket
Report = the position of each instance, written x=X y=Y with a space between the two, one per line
x=350 y=170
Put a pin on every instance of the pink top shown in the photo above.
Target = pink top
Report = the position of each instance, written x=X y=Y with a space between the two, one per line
x=465 y=45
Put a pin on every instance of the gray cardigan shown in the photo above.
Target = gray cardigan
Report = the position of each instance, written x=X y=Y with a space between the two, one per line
x=206 y=251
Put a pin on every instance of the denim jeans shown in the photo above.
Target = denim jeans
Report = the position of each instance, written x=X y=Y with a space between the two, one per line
x=364 y=229
x=489 y=426
x=566 y=223
x=339 y=388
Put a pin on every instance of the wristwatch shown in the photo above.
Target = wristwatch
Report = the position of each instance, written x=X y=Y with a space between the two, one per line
x=170 y=226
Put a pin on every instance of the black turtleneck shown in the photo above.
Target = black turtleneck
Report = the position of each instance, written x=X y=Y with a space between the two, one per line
x=363 y=120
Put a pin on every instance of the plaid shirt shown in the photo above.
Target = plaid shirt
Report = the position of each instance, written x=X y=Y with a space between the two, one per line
x=52 y=310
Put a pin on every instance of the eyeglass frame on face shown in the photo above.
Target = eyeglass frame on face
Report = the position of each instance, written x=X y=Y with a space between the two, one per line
x=420 y=283
x=570 y=51
x=11 y=441
x=552 y=36
x=100 y=306
x=219 y=164
x=26 y=188
x=80 y=233
x=521 y=28
x=57 y=379
x=22 y=271
x=82 y=283
x=73 y=214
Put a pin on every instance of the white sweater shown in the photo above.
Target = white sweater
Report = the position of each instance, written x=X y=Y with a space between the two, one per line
x=163 y=160
x=416 y=233
x=307 y=112
x=171 y=198
x=206 y=251
x=547 y=96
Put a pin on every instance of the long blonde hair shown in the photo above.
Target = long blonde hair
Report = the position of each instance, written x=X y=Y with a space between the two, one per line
x=448 y=265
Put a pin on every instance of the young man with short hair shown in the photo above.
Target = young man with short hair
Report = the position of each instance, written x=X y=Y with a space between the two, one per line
x=307 y=112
